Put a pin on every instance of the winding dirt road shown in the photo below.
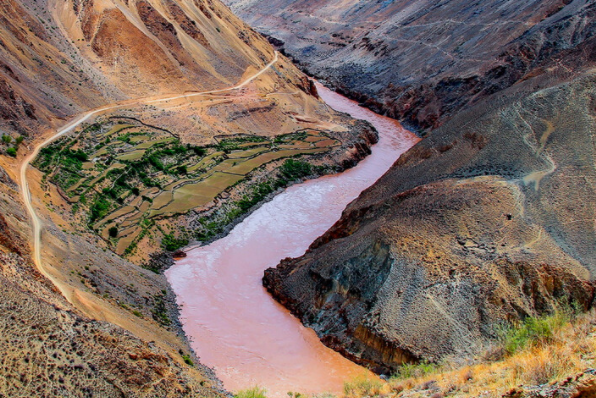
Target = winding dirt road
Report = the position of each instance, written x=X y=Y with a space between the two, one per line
x=72 y=125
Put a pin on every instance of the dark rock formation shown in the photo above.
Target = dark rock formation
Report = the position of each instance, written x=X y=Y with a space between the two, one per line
x=488 y=220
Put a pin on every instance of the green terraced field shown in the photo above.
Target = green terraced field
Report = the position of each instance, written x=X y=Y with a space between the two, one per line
x=139 y=174
x=116 y=129
x=139 y=138
x=191 y=196
x=134 y=155
x=247 y=154
x=205 y=162
x=149 y=144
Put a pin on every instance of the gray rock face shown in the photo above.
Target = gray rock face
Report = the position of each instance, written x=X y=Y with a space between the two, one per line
x=423 y=61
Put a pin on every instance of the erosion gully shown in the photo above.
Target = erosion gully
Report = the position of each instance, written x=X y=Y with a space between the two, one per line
x=233 y=323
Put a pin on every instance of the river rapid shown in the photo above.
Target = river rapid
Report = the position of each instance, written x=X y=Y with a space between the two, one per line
x=233 y=323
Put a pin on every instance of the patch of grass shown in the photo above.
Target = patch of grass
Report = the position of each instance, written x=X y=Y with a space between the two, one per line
x=137 y=313
x=362 y=387
x=255 y=392
x=421 y=369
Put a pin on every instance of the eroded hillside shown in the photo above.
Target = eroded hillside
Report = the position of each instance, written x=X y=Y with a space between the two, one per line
x=488 y=220
x=63 y=56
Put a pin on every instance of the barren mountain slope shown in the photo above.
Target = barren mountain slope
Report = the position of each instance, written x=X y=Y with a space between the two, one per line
x=422 y=61
x=486 y=221
x=58 y=57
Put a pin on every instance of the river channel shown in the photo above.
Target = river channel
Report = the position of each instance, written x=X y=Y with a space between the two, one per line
x=234 y=325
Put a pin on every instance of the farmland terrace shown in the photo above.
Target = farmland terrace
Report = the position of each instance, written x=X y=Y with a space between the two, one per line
x=130 y=182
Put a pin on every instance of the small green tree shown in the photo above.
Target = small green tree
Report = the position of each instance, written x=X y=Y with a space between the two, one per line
x=12 y=152
x=113 y=232
x=19 y=140
x=7 y=139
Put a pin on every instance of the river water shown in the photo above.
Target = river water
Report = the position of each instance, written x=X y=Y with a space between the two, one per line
x=234 y=325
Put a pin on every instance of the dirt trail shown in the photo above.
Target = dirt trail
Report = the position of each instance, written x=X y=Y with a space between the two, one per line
x=66 y=290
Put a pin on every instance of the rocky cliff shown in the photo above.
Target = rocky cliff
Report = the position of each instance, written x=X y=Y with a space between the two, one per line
x=488 y=220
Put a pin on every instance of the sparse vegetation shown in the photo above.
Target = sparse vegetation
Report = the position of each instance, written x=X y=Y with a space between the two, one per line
x=160 y=312
x=537 y=351
x=7 y=140
x=362 y=387
x=255 y=392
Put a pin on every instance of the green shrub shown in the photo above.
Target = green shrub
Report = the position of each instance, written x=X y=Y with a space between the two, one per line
x=187 y=360
x=11 y=151
x=421 y=369
x=7 y=139
x=533 y=330
x=99 y=208
x=255 y=392
x=200 y=151
x=113 y=232
x=171 y=243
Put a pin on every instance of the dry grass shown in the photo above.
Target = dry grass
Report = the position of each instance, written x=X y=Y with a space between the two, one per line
x=561 y=347
x=539 y=351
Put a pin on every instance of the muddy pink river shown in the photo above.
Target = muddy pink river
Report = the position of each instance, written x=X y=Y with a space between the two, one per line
x=234 y=325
